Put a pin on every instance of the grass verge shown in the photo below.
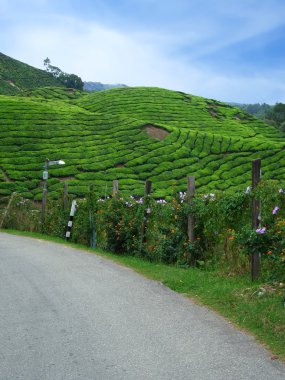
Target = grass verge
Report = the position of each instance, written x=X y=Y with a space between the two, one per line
x=255 y=307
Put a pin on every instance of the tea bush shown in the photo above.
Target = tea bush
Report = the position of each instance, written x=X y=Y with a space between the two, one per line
x=104 y=136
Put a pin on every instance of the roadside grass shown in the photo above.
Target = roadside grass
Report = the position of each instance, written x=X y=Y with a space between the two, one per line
x=255 y=307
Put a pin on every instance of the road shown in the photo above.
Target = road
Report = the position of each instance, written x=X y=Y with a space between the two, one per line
x=69 y=314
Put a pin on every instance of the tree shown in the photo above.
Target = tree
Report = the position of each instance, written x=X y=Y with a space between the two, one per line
x=69 y=80
x=47 y=63
x=282 y=126
x=276 y=115
x=55 y=71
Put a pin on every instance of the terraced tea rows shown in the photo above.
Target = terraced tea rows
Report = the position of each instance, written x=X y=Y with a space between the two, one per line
x=162 y=107
x=16 y=76
x=53 y=93
x=108 y=135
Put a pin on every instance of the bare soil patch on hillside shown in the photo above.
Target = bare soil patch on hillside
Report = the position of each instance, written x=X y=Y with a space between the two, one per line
x=155 y=132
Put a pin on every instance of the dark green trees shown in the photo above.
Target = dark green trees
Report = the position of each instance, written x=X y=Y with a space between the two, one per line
x=69 y=80
x=277 y=116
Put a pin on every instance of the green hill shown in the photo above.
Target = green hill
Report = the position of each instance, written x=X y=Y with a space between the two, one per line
x=131 y=134
x=16 y=76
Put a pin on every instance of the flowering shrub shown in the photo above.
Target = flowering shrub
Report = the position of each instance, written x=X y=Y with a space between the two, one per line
x=216 y=215
x=267 y=240
x=167 y=231
x=276 y=255
x=157 y=229
x=119 y=220
x=23 y=214
x=254 y=241
x=269 y=243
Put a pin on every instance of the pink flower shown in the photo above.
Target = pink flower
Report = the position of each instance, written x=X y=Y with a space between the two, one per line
x=260 y=230
x=276 y=208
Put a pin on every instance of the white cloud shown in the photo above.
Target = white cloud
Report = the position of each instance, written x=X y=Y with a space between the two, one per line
x=98 y=53
x=241 y=89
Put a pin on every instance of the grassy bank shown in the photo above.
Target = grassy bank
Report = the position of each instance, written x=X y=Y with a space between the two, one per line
x=255 y=307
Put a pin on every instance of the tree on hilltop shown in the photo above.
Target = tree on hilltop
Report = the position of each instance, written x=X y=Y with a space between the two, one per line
x=69 y=80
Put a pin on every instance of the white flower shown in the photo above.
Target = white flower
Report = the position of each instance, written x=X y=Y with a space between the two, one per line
x=162 y=201
x=248 y=189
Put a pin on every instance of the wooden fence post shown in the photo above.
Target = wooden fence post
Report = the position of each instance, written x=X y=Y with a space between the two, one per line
x=115 y=187
x=190 y=198
x=7 y=209
x=147 y=187
x=255 y=258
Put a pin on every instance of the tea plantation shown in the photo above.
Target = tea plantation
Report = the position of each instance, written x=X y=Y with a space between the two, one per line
x=130 y=134
x=16 y=76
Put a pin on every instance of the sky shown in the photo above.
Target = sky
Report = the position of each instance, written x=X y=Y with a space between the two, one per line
x=228 y=50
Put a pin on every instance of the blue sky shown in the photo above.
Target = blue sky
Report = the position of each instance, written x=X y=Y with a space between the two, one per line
x=222 y=49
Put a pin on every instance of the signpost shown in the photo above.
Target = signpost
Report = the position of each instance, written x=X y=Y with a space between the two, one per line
x=45 y=177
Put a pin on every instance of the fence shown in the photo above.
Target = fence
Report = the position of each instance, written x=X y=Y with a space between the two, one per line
x=190 y=229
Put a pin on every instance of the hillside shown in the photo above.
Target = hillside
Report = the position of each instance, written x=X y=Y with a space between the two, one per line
x=16 y=76
x=131 y=134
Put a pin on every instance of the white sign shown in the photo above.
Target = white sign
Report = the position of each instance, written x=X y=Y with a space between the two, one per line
x=73 y=208
x=45 y=174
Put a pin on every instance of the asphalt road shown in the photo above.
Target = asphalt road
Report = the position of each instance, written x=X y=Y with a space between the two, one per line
x=68 y=314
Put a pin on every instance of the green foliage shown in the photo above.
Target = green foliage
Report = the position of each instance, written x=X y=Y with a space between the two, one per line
x=268 y=239
x=71 y=81
x=157 y=230
x=23 y=215
x=257 y=109
x=16 y=76
x=120 y=223
x=276 y=115
x=56 y=217
x=273 y=115
x=68 y=80
x=53 y=93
